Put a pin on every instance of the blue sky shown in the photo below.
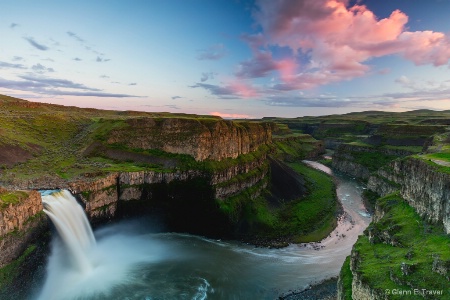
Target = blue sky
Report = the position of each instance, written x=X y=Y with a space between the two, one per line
x=229 y=58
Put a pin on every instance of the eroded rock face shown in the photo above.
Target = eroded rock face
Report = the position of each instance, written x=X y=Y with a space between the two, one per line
x=203 y=139
x=19 y=224
x=345 y=159
x=422 y=185
x=100 y=196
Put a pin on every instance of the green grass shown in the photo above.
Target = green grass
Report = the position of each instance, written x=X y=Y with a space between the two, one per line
x=314 y=215
x=306 y=219
x=372 y=160
x=254 y=210
x=9 y=272
x=346 y=278
x=427 y=159
x=14 y=197
x=295 y=149
x=445 y=156
x=416 y=243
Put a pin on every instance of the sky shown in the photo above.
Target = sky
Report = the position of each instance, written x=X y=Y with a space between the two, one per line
x=231 y=58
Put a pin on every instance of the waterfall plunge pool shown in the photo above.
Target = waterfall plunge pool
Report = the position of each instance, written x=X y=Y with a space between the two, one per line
x=127 y=262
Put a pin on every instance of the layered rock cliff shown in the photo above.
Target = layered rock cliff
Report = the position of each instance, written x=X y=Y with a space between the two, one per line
x=21 y=219
x=203 y=139
x=360 y=160
x=423 y=184
x=399 y=255
x=404 y=251
x=102 y=195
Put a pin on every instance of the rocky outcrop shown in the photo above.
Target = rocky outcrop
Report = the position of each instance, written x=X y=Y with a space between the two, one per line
x=421 y=184
x=19 y=224
x=332 y=143
x=360 y=160
x=399 y=254
x=213 y=139
x=101 y=196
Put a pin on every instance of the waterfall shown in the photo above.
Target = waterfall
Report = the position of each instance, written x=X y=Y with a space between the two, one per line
x=72 y=226
x=81 y=267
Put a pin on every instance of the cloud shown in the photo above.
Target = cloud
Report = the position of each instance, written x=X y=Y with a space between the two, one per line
x=91 y=94
x=41 y=69
x=100 y=59
x=319 y=101
x=172 y=106
x=332 y=41
x=230 y=116
x=75 y=36
x=36 y=44
x=133 y=83
x=104 y=76
x=17 y=58
x=77 y=59
x=56 y=82
x=6 y=65
x=235 y=89
x=176 y=97
x=55 y=86
x=215 y=52
x=258 y=66
x=13 y=25
x=404 y=81
x=207 y=75
x=217 y=90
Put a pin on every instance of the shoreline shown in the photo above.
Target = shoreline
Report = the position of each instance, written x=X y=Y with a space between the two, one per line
x=323 y=290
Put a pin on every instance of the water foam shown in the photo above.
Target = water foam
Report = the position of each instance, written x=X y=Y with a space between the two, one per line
x=81 y=267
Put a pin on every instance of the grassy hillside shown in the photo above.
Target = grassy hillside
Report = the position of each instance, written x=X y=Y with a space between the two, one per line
x=402 y=252
x=43 y=140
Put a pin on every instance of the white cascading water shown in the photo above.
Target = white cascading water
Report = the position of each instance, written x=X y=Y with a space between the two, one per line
x=80 y=267
x=72 y=225
x=137 y=260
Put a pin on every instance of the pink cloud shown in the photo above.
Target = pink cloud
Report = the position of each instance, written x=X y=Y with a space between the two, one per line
x=337 y=39
x=243 y=89
x=229 y=116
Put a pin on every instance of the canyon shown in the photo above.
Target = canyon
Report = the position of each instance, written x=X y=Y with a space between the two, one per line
x=238 y=179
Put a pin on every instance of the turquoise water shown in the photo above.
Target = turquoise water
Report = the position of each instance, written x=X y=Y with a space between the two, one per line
x=132 y=261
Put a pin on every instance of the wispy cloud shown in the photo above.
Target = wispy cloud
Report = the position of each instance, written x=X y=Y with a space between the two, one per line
x=36 y=44
x=75 y=36
x=132 y=83
x=13 y=25
x=207 y=76
x=56 y=87
x=215 y=52
x=172 y=106
x=101 y=59
x=56 y=82
x=91 y=94
x=77 y=59
x=226 y=92
x=38 y=68
x=17 y=58
x=176 y=97
x=234 y=89
x=6 y=65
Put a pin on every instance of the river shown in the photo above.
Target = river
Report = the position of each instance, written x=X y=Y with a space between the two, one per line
x=130 y=263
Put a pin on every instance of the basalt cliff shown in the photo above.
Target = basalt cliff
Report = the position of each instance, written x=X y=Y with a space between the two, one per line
x=404 y=160
x=200 y=174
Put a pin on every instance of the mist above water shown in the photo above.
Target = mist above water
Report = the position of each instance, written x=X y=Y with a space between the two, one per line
x=129 y=260
x=81 y=266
